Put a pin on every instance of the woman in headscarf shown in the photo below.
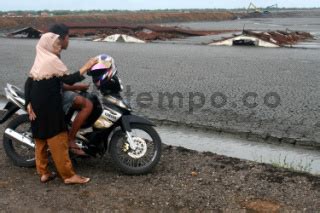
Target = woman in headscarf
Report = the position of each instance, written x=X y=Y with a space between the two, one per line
x=43 y=91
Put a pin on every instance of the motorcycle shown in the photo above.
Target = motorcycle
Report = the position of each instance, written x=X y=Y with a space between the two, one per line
x=132 y=142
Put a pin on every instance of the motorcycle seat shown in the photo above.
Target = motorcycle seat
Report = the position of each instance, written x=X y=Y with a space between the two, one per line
x=20 y=93
x=16 y=91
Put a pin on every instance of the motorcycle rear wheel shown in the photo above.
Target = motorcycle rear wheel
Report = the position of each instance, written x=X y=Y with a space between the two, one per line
x=140 y=161
x=20 y=154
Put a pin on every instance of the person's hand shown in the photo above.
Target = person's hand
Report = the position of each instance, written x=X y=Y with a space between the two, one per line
x=32 y=115
x=88 y=65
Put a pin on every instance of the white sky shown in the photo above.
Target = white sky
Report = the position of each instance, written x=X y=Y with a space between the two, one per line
x=7 y=5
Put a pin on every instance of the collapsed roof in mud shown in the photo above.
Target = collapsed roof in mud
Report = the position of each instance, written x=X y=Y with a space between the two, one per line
x=27 y=32
x=120 y=38
x=265 y=39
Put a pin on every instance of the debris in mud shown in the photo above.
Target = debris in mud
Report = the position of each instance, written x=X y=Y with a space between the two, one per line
x=142 y=32
x=145 y=33
x=103 y=32
x=265 y=39
x=281 y=38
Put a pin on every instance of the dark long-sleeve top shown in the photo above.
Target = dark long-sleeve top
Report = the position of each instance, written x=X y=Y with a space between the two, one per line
x=45 y=97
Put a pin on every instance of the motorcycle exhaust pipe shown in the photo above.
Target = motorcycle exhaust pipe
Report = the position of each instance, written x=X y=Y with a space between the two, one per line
x=10 y=133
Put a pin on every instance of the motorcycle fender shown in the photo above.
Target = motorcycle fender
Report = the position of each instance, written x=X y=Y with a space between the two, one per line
x=126 y=120
x=10 y=109
x=133 y=119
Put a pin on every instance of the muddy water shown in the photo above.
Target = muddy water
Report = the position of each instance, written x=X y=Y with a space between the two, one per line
x=229 y=145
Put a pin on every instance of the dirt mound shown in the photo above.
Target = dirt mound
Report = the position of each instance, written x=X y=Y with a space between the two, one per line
x=7 y=23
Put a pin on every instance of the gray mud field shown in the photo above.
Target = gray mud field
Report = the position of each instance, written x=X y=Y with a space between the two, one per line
x=183 y=181
x=268 y=92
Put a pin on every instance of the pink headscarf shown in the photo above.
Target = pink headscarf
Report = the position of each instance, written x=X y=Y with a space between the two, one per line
x=47 y=64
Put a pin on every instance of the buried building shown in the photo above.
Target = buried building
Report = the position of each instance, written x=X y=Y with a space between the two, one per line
x=264 y=39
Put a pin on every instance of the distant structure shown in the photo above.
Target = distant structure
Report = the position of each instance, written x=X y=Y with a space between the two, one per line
x=10 y=15
x=44 y=14
x=252 y=8
x=269 y=8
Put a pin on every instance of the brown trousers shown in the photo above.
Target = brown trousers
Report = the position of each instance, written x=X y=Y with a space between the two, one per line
x=59 y=149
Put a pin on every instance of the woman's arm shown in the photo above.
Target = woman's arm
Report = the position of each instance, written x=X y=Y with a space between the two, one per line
x=78 y=76
x=72 y=78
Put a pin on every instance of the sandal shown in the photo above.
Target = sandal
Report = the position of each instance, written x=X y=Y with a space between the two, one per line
x=76 y=179
x=48 y=177
x=77 y=151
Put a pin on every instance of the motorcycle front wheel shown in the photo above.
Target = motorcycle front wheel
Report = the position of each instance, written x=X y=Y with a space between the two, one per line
x=144 y=158
x=21 y=154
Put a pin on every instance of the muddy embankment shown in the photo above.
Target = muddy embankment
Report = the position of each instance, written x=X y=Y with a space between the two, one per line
x=7 y=23
x=183 y=181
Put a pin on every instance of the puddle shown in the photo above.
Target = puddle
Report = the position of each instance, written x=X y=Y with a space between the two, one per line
x=228 y=145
